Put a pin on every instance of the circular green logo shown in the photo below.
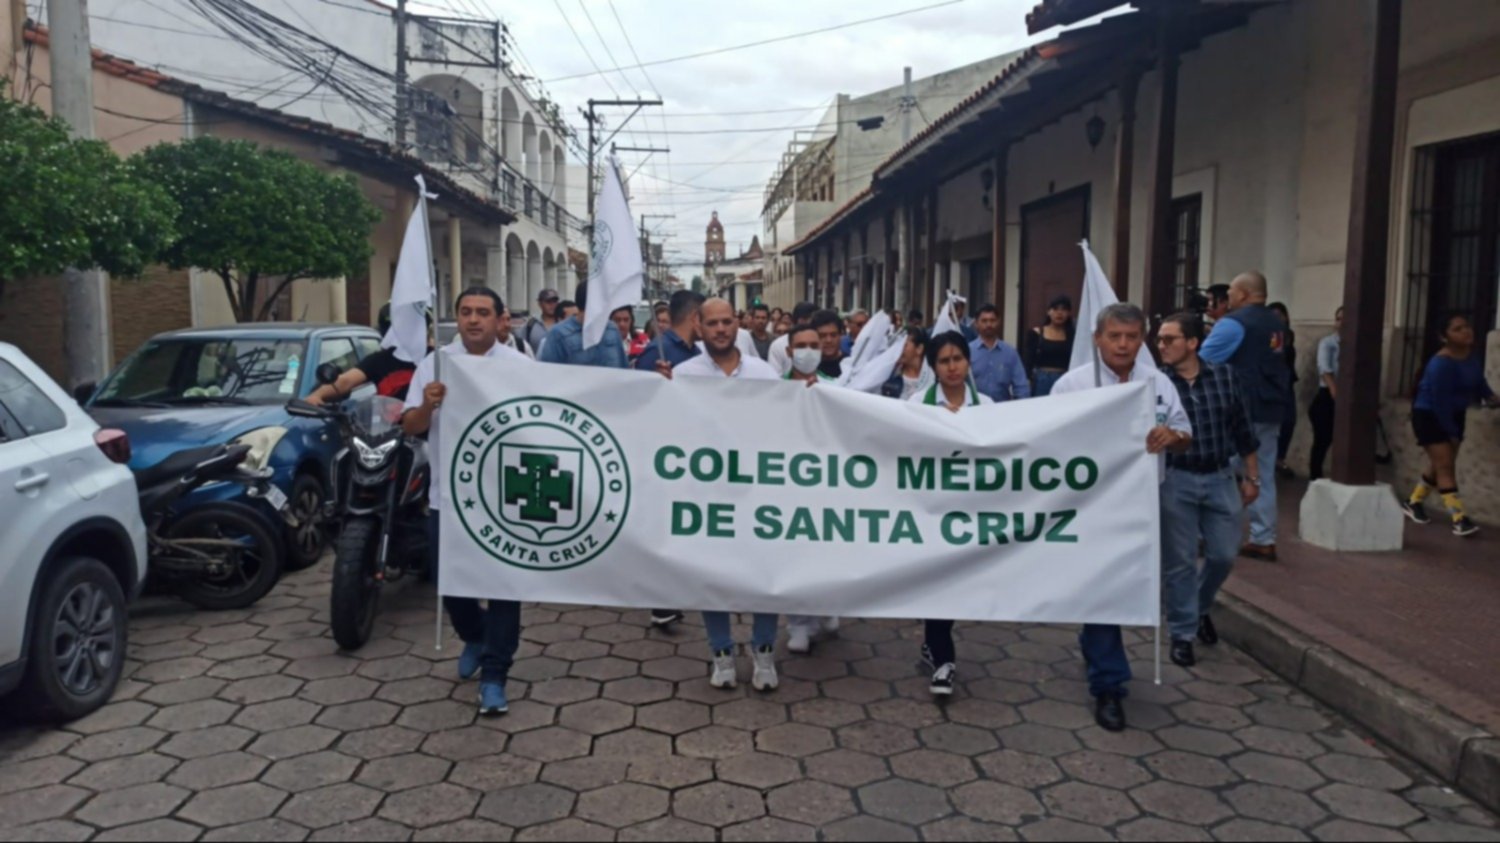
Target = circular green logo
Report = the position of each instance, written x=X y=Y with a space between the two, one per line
x=540 y=483
x=603 y=245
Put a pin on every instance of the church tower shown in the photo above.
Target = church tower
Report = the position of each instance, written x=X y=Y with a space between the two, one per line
x=713 y=250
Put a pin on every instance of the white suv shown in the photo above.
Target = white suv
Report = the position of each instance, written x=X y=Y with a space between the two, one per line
x=72 y=547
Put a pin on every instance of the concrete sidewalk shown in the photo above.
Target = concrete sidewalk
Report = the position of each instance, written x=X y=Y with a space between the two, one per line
x=1404 y=643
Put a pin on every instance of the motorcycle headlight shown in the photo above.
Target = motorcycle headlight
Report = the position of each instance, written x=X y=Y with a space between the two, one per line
x=262 y=443
x=374 y=457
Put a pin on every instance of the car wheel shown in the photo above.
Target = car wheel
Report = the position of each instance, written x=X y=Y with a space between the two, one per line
x=77 y=649
x=306 y=542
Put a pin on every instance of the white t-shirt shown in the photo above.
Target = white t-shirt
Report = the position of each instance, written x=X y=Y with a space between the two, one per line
x=419 y=381
x=1169 y=409
x=777 y=356
x=976 y=398
x=751 y=368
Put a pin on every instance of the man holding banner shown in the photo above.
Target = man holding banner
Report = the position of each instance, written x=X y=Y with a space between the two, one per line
x=724 y=359
x=490 y=635
x=1119 y=335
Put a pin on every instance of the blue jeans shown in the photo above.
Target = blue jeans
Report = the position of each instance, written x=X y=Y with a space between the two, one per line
x=1263 y=511
x=721 y=637
x=1194 y=506
x=497 y=625
x=1045 y=382
x=1104 y=654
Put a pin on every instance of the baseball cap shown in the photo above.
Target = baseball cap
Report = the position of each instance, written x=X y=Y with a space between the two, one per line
x=547 y=295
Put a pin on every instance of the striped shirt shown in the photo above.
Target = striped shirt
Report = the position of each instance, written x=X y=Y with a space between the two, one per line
x=1221 y=423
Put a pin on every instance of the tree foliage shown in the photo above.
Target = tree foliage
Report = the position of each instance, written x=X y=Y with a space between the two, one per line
x=67 y=202
x=254 y=216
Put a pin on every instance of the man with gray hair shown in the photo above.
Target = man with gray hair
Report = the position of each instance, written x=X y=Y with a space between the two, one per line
x=1252 y=340
x=1118 y=335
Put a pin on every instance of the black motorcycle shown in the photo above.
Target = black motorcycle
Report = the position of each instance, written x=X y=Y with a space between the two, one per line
x=219 y=556
x=381 y=477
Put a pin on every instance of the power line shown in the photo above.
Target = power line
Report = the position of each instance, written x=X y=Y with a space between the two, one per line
x=764 y=42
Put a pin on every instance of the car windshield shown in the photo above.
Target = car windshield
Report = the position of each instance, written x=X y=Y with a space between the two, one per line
x=208 y=370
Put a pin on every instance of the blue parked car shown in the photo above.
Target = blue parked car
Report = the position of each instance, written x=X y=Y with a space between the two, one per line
x=207 y=386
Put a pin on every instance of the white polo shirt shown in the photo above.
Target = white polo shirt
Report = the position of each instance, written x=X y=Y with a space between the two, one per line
x=751 y=368
x=1169 y=409
x=419 y=381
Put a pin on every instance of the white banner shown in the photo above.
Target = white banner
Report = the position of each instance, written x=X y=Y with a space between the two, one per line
x=610 y=488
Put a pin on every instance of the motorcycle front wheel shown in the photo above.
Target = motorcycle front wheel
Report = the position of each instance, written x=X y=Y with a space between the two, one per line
x=247 y=553
x=356 y=591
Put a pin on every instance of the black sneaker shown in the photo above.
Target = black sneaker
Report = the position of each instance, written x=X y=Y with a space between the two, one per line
x=1416 y=512
x=664 y=618
x=1464 y=528
x=1207 y=634
x=927 y=658
x=942 y=680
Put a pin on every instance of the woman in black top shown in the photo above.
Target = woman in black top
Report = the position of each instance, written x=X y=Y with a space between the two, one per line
x=1049 y=346
x=1290 y=423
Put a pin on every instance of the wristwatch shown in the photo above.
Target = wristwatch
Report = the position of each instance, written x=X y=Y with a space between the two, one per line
x=1254 y=481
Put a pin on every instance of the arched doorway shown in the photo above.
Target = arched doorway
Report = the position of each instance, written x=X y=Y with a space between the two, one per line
x=449 y=118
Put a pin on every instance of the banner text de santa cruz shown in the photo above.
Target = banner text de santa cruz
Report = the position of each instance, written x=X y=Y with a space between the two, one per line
x=954 y=473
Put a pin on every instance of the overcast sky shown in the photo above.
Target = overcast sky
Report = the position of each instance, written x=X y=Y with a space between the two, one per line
x=727 y=170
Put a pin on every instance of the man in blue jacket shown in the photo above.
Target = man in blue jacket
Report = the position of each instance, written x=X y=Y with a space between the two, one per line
x=1251 y=338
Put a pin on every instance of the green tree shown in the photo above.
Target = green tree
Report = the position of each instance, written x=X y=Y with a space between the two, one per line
x=67 y=202
x=253 y=216
x=698 y=284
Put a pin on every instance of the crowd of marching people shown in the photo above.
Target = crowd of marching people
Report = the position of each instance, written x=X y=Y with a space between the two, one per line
x=1222 y=380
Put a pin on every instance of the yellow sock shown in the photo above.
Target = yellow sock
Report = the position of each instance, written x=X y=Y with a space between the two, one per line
x=1454 y=503
x=1420 y=493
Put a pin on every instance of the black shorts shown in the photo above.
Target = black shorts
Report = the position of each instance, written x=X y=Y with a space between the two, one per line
x=1430 y=430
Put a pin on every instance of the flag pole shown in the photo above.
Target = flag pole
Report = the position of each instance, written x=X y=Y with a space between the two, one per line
x=437 y=375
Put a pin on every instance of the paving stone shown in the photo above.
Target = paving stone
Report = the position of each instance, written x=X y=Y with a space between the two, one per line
x=868 y=829
x=715 y=742
x=40 y=804
x=763 y=829
x=965 y=830
x=958 y=739
x=829 y=714
x=877 y=738
x=1277 y=770
x=465 y=831
x=127 y=771
x=186 y=717
x=524 y=716
x=413 y=691
x=982 y=713
x=1291 y=718
x=331 y=806
x=718 y=804
x=567 y=830
x=232 y=805
x=638 y=690
x=1063 y=830
x=1104 y=769
x=394 y=669
x=1210 y=716
x=1089 y=803
x=633 y=743
x=342 y=689
x=1035 y=739
x=929 y=766
x=428 y=806
x=997 y=803
x=290 y=743
x=550 y=744
x=173 y=669
x=1190 y=768
x=311 y=771
x=565 y=691
x=113 y=716
x=1252 y=831
x=596 y=717
x=673 y=717
x=278 y=714
x=857 y=689
x=220 y=770
x=812 y=803
x=606 y=669
x=1447 y=832
x=494 y=773
x=1367 y=806
x=671 y=772
x=24 y=775
x=1275 y=804
x=1202 y=741
x=118 y=743
x=51 y=831
x=260 y=831
x=132 y=805
x=1151 y=828
x=168 y=830
x=260 y=689
x=430 y=717
x=376 y=831
x=1363 y=772
x=904 y=801
x=251 y=667
x=584 y=774
x=1182 y=803
x=759 y=770
x=231 y=650
x=622 y=805
x=796 y=740
x=1280 y=742
x=527 y=805
x=1343 y=830
x=403 y=772
x=1020 y=769
x=383 y=742
x=322 y=667
x=464 y=744
x=370 y=714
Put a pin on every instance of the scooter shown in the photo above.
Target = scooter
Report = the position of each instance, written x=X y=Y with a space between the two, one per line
x=381 y=477
x=221 y=556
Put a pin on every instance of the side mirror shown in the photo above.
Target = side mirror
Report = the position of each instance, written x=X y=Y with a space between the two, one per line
x=84 y=391
x=298 y=407
x=328 y=373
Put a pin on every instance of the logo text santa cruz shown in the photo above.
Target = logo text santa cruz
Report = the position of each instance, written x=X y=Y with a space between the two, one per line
x=994 y=478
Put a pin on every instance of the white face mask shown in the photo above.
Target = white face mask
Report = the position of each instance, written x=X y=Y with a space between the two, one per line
x=806 y=360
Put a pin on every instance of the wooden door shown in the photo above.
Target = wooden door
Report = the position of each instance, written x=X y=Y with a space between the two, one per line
x=1051 y=262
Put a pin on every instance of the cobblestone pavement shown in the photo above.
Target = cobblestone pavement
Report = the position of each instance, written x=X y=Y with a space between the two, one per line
x=251 y=726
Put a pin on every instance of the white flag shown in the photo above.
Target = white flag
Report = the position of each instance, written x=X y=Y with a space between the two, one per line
x=615 y=270
x=413 y=289
x=1097 y=295
x=946 y=320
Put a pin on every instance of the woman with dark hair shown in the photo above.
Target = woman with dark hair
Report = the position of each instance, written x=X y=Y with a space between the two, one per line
x=1452 y=383
x=1049 y=346
x=1289 y=424
x=912 y=374
x=948 y=354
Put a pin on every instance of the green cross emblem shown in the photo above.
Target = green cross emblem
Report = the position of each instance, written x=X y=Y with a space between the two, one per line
x=538 y=483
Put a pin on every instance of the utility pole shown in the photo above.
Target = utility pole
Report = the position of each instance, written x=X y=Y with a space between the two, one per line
x=86 y=337
x=402 y=100
x=908 y=104
x=592 y=117
x=646 y=249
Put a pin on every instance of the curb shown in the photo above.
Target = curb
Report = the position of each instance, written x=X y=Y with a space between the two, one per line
x=1458 y=752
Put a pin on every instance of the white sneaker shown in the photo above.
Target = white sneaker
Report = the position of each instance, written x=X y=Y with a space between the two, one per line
x=942 y=680
x=765 y=678
x=724 y=675
x=798 y=641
